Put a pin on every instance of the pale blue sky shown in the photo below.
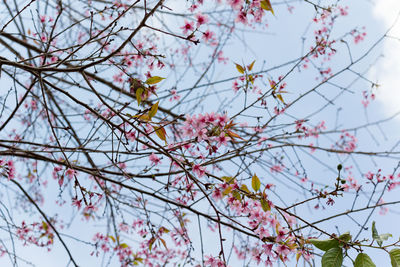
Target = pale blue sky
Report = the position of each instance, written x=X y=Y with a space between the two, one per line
x=275 y=46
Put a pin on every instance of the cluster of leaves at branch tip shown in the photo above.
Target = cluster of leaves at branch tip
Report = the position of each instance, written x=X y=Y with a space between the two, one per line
x=229 y=190
x=256 y=185
x=379 y=238
x=244 y=190
x=139 y=89
x=333 y=247
x=245 y=71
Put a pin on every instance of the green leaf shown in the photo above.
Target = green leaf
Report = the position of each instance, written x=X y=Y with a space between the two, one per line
x=377 y=237
x=255 y=183
x=332 y=258
x=395 y=257
x=346 y=237
x=363 y=260
x=154 y=80
x=153 y=110
x=375 y=234
x=385 y=237
x=239 y=68
x=324 y=245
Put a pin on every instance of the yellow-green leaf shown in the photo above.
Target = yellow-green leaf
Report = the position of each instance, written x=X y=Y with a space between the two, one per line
x=250 y=67
x=112 y=238
x=163 y=242
x=244 y=188
x=228 y=179
x=239 y=68
x=163 y=229
x=265 y=205
x=161 y=133
x=154 y=80
x=153 y=110
x=139 y=93
x=251 y=79
x=124 y=245
x=298 y=255
x=151 y=243
x=266 y=5
x=255 y=183
x=45 y=226
x=143 y=117
x=227 y=191
x=279 y=96
x=236 y=195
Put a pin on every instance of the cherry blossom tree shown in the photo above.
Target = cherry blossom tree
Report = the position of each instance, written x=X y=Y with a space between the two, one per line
x=145 y=133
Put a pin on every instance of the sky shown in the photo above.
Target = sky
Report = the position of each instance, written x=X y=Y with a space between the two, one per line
x=377 y=16
x=387 y=69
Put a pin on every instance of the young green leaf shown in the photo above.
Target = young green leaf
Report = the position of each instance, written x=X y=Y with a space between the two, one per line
x=346 y=237
x=377 y=237
x=324 y=245
x=385 y=237
x=363 y=260
x=255 y=183
x=332 y=258
x=375 y=234
x=154 y=80
x=395 y=257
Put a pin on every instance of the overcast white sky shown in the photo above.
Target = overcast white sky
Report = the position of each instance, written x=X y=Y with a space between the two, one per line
x=387 y=71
